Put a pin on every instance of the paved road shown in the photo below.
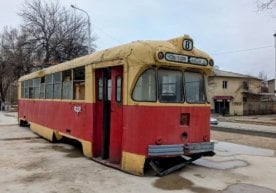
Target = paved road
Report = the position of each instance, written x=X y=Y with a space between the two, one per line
x=248 y=126
x=31 y=164
x=249 y=129
x=8 y=118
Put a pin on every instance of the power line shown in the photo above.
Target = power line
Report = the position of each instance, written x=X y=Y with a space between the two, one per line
x=100 y=28
x=243 y=50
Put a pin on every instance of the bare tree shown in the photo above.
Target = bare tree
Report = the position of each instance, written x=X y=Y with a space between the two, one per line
x=266 y=4
x=16 y=58
x=56 y=33
x=264 y=84
x=4 y=80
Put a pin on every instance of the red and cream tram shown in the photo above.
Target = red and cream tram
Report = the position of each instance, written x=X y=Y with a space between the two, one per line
x=135 y=104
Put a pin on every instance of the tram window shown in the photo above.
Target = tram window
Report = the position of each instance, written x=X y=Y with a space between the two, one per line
x=22 y=90
x=109 y=89
x=170 y=86
x=42 y=88
x=67 y=85
x=49 y=86
x=79 y=83
x=42 y=91
x=145 y=88
x=100 y=88
x=57 y=85
x=194 y=86
x=36 y=85
x=118 y=89
x=31 y=89
x=26 y=89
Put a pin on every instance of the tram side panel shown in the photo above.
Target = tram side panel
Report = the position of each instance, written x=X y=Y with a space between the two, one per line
x=71 y=118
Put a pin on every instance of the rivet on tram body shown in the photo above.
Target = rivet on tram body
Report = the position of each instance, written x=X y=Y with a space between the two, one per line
x=184 y=136
x=159 y=141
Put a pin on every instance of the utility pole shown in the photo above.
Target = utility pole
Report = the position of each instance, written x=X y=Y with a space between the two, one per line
x=275 y=63
x=88 y=26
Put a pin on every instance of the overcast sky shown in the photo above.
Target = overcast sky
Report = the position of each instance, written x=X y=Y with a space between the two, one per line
x=239 y=38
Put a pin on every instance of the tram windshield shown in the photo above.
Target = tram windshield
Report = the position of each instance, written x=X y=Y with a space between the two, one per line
x=169 y=86
x=194 y=87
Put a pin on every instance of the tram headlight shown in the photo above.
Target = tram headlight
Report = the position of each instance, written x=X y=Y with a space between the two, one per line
x=160 y=55
x=211 y=62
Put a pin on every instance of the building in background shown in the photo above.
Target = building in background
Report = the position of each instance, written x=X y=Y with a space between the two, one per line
x=271 y=85
x=237 y=94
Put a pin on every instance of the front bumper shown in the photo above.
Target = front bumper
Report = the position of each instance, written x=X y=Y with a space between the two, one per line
x=180 y=149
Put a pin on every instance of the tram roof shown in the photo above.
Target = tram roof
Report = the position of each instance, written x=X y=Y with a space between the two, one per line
x=139 y=52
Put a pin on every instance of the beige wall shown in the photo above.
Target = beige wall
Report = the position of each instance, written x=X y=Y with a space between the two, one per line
x=234 y=89
x=271 y=86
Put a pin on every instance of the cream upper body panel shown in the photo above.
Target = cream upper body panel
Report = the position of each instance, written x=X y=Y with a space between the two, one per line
x=135 y=58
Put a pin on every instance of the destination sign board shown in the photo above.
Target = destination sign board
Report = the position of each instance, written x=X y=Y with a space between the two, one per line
x=180 y=58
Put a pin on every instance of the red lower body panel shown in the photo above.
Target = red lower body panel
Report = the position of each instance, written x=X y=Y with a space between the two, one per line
x=142 y=125
x=145 y=126
x=75 y=119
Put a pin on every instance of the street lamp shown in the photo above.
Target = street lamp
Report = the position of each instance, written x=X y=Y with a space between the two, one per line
x=88 y=23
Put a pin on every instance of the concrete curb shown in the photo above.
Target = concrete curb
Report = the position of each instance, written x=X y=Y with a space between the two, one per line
x=244 y=131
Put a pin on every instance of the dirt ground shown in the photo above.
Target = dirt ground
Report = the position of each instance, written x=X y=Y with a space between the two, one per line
x=255 y=141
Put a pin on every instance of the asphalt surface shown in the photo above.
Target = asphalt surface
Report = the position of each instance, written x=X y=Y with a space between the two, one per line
x=31 y=164
x=248 y=129
x=257 y=125
x=8 y=118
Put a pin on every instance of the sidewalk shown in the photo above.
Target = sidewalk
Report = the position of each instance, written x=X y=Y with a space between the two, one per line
x=269 y=120
x=259 y=125
x=8 y=118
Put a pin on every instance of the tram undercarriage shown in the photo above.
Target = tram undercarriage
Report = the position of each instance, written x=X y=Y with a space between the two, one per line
x=165 y=166
x=163 y=162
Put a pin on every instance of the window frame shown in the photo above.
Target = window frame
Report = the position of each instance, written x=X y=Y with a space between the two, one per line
x=29 y=86
x=203 y=85
x=156 y=86
x=50 y=84
x=100 y=94
x=24 y=89
x=70 y=82
x=81 y=83
x=224 y=84
x=121 y=89
x=36 y=87
x=42 y=82
x=182 y=92
x=55 y=82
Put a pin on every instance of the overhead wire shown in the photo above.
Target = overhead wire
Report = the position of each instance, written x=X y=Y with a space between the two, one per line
x=242 y=50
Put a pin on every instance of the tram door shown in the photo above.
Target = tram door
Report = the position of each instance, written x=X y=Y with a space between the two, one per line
x=108 y=114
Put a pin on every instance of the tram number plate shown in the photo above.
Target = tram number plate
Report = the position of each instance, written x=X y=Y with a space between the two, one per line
x=77 y=109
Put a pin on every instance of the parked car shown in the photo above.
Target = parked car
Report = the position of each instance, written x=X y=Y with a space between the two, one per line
x=213 y=121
